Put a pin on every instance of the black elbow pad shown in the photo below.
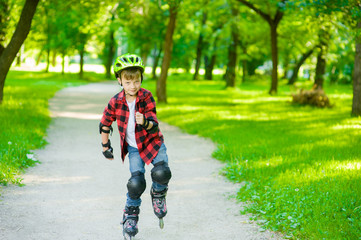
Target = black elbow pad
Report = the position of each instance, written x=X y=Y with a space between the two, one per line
x=101 y=125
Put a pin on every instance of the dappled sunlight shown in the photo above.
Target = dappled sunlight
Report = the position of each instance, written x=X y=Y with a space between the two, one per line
x=348 y=124
x=340 y=96
x=271 y=162
x=255 y=116
x=338 y=127
x=319 y=170
x=331 y=142
x=260 y=99
x=348 y=165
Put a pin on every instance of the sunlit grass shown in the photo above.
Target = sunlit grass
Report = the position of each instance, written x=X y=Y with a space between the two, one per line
x=300 y=165
x=24 y=117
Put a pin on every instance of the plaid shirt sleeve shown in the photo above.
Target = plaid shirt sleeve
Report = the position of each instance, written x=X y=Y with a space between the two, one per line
x=150 y=110
x=109 y=113
x=148 y=142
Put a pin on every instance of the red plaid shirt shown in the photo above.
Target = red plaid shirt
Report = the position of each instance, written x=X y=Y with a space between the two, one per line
x=148 y=143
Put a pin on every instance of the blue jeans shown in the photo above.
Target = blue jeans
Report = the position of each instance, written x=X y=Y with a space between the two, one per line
x=137 y=164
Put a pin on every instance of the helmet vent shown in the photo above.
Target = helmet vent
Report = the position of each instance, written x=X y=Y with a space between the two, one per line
x=124 y=59
x=131 y=59
x=118 y=65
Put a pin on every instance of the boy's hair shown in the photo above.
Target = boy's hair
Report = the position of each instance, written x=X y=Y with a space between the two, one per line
x=131 y=73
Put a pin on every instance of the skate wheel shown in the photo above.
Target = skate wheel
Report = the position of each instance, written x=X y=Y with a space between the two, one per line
x=127 y=237
x=161 y=223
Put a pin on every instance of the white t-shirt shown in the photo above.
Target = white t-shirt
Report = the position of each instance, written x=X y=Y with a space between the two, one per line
x=130 y=132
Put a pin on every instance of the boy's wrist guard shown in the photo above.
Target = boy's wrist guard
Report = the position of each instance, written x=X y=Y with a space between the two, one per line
x=153 y=129
x=109 y=152
x=101 y=125
x=146 y=123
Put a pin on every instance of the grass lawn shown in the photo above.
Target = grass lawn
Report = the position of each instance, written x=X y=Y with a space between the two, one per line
x=24 y=117
x=300 y=165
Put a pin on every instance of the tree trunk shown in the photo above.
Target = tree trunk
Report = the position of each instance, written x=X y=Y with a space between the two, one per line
x=244 y=70
x=47 y=60
x=209 y=64
x=111 y=44
x=144 y=57
x=4 y=22
x=18 y=59
x=231 y=67
x=356 y=101
x=286 y=64
x=156 y=61
x=324 y=37
x=320 y=69
x=111 y=53
x=47 y=46
x=168 y=46
x=19 y=36
x=274 y=50
x=38 y=58
x=298 y=66
x=53 y=62
x=63 y=64
x=244 y=64
x=81 y=72
x=232 y=51
x=200 y=48
x=273 y=23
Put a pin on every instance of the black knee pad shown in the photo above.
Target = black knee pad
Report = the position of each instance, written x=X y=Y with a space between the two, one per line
x=161 y=173
x=136 y=185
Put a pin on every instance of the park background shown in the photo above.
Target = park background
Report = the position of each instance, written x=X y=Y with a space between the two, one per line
x=231 y=71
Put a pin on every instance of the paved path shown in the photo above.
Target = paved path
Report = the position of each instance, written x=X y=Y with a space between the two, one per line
x=76 y=194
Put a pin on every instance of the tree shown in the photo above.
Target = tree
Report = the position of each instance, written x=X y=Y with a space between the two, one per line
x=168 y=45
x=298 y=65
x=218 y=17
x=324 y=38
x=110 y=46
x=356 y=101
x=200 y=43
x=4 y=18
x=351 y=15
x=273 y=22
x=22 y=30
x=233 y=48
x=298 y=37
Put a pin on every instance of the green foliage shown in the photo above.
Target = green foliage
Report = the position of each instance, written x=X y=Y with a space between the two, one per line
x=24 y=117
x=299 y=165
x=144 y=25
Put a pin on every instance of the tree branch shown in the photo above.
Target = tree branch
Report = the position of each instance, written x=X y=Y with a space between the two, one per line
x=279 y=13
x=278 y=16
x=257 y=10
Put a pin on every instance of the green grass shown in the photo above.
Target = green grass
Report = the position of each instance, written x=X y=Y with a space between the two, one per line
x=24 y=118
x=300 y=165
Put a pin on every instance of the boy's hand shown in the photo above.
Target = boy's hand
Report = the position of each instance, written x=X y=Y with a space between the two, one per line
x=108 y=151
x=139 y=118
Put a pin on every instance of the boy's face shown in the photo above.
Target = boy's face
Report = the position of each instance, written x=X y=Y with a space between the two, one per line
x=130 y=86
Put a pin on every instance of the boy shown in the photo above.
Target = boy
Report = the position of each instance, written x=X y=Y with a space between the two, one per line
x=134 y=110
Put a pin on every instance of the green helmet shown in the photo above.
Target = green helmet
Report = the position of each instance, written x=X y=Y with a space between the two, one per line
x=128 y=61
